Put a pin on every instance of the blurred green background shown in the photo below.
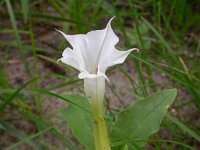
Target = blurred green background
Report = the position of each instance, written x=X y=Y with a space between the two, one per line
x=167 y=32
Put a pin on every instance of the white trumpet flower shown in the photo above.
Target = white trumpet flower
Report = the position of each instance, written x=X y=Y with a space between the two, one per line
x=93 y=52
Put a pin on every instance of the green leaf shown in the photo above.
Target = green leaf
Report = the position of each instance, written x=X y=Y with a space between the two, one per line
x=134 y=125
x=80 y=121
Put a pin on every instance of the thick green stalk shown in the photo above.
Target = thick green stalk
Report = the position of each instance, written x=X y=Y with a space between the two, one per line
x=94 y=89
x=100 y=130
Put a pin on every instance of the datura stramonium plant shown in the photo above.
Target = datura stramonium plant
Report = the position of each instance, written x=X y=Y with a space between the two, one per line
x=92 y=54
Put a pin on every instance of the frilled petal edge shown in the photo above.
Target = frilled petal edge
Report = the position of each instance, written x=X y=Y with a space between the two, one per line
x=68 y=57
x=116 y=57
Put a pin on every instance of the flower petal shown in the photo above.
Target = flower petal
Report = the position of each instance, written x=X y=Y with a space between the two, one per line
x=100 y=43
x=78 y=42
x=116 y=57
x=93 y=46
x=70 y=58
x=93 y=52
x=84 y=75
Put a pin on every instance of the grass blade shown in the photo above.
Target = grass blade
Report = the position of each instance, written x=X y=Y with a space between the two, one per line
x=183 y=127
x=17 y=36
x=28 y=138
x=20 y=135
x=43 y=124
x=10 y=99
x=25 y=9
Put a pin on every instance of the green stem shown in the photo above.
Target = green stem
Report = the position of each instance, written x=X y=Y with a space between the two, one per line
x=94 y=89
x=100 y=130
